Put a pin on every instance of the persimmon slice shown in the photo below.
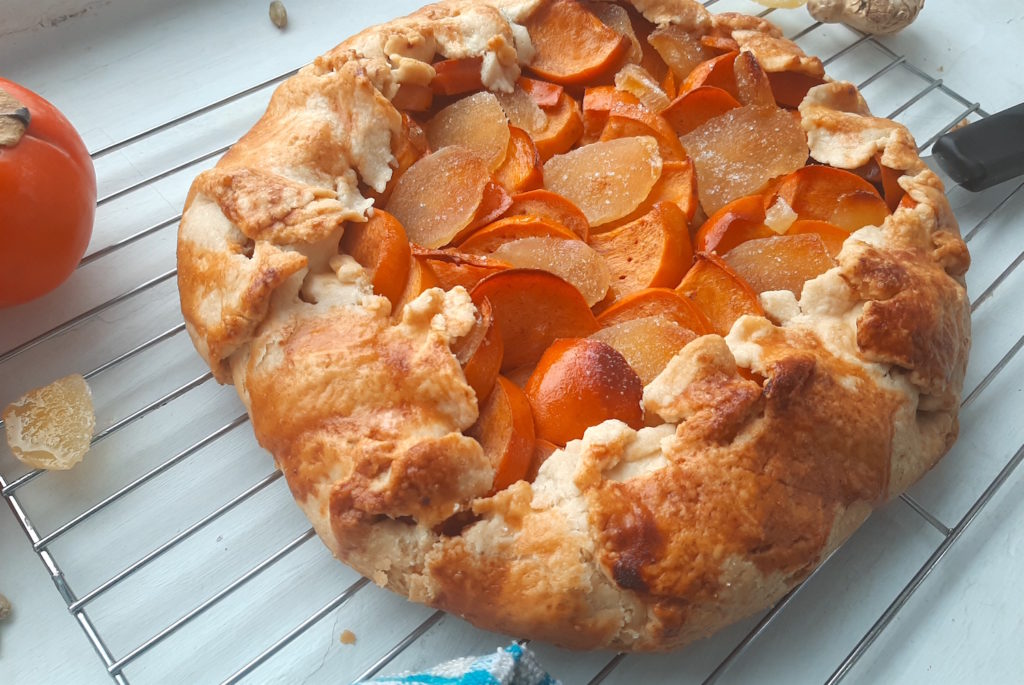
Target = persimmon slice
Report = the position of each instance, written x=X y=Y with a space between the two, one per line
x=859 y=209
x=783 y=262
x=606 y=180
x=720 y=293
x=653 y=251
x=413 y=98
x=571 y=44
x=892 y=191
x=476 y=122
x=489 y=238
x=717 y=71
x=554 y=129
x=597 y=105
x=660 y=302
x=579 y=383
x=647 y=343
x=736 y=222
x=533 y=308
x=457 y=76
x=628 y=116
x=437 y=198
x=521 y=169
x=480 y=351
x=563 y=127
x=381 y=246
x=831 y=235
x=505 y=430
x=571 y=260
x=452 y=268
x=814 y=191
x=543 y=93
x=790 y=87
x=737 y=153
x=690 y=110
x=547 y=205
x=421 y=277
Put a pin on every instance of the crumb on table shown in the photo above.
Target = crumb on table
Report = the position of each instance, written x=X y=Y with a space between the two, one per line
x=347 y=637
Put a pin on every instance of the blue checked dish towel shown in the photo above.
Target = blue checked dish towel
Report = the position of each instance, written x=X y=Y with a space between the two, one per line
x=512 y=665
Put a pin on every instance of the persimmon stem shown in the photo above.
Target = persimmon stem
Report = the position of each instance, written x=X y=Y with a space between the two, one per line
x=14 y=119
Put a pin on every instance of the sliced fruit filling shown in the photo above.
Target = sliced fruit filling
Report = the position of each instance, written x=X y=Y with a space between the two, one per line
x=638 y=188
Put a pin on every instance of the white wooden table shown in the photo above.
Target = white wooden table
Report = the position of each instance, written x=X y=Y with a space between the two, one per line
x=176 y=508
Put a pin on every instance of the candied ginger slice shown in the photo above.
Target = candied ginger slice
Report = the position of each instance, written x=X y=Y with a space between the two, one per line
x=607 y=180
x=737 y=153
x=571 y=260
x=477 y=123
x=437 y=199
x=522 y=110
x=51 y=427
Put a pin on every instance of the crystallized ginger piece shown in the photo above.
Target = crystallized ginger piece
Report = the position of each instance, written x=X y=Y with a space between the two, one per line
x=51 y=427
x=737 y=153
x=607 y=179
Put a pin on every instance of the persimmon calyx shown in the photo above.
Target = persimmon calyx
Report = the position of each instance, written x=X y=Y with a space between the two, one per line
x=14 y=119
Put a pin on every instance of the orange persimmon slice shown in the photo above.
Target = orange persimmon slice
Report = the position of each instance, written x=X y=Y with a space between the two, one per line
x=488 y=238
x=662 y=302
x=892 y=191
x=563 y=128
x=544 y=93
x=719 y=292
x=521 y=169
x=480 y=351
x=690 y=110
x=382 y=247
x=547 y=205
x=505 y=430
x=533 y=308
x=457 y=76
x=814 y=191
x=452 y=267
x=653 y=251
x=831 y=235
x=790 y=87
x=859 y=209
x=597 y=104
x=627 y=117
x=579 y=383
x=736 y=222
x=717 y=71
x=421 y=277
x=571 y=44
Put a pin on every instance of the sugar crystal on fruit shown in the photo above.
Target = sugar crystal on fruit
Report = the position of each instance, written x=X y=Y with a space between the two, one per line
x=737 y=153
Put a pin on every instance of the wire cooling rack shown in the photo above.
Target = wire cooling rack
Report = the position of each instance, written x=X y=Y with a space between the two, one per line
x=129 y=537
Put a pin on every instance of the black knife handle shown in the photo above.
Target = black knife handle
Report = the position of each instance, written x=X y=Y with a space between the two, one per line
x=986 y=152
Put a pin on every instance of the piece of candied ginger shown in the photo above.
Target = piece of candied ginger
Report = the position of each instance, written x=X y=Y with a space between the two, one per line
x=51 y=427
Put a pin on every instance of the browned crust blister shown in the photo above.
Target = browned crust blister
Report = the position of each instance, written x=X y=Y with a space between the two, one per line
x=639 y=540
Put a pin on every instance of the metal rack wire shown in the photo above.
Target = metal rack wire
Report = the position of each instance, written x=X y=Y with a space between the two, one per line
x=79 y=601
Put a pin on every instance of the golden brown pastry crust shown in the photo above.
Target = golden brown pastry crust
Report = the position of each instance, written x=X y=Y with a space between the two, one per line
x=640 y=540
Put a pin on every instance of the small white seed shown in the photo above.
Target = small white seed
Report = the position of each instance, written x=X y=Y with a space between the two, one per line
x=278 y=14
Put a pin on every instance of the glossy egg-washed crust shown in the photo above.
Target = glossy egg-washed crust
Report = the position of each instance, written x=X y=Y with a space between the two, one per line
x=638 y=540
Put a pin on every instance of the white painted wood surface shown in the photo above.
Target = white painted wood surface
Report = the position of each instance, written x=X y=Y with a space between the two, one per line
x=122 y=68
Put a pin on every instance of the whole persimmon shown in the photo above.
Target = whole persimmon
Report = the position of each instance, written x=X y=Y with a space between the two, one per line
x=47 y=196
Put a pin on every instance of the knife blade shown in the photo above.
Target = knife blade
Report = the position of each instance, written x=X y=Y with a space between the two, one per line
x=983 y=153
